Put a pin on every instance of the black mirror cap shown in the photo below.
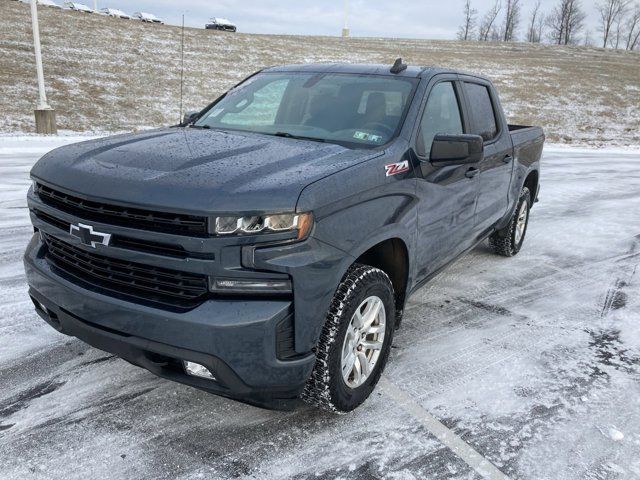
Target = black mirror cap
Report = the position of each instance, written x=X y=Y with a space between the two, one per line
x=456 y=149
x=189 y=117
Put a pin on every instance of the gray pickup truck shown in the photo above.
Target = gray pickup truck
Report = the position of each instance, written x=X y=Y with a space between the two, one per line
x=264 y=249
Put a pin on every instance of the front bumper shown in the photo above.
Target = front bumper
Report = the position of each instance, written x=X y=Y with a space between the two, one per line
x=235 y=339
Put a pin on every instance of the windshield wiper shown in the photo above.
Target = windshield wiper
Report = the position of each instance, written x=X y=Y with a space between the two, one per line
x=199 y=126
x=298 y=137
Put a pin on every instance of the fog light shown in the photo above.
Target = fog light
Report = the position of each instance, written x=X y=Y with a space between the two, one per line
x=40 y=305
x=197 y=370
x=233 y=285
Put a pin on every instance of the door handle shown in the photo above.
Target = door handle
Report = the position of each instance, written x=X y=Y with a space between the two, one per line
x=507 y=159
x=472 y=172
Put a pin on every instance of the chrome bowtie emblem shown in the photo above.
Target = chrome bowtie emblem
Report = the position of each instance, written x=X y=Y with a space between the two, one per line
x=88 y=236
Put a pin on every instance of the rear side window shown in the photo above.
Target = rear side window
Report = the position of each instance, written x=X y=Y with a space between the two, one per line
x=482 y=114
x=441 y=115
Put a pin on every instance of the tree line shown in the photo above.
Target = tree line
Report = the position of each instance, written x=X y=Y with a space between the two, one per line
x=564 y=24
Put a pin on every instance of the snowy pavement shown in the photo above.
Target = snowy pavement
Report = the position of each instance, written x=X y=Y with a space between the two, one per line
x=533 y=362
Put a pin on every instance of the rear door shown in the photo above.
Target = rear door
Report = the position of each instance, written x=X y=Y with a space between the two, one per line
x=486 y=120
x=446 y=194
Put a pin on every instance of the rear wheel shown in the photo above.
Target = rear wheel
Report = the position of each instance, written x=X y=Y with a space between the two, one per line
x=355 y=341
x=508 y=241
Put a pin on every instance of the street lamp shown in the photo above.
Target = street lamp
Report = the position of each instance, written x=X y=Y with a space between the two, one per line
x=345 y=29
x=45 y=115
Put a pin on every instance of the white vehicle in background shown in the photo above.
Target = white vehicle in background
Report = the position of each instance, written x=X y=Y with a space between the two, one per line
x=217 y=23
x=114 y=12
x=44 y=3
x=80 y=7
x=147 y=17
x=48 y=3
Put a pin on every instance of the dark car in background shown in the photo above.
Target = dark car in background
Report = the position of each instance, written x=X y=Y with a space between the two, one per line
x=217 y=23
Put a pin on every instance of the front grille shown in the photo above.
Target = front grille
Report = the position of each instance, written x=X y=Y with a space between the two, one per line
x=142 y=283
x=119 y=241
x=174 y=223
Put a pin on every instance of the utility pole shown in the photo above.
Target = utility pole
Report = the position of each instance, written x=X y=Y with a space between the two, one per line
x=345 y=29
x=95 y=5
x=45 y=115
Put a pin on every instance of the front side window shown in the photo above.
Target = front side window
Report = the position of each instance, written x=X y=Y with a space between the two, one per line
x=441 y=116
x=482 y=113
x=349 y=109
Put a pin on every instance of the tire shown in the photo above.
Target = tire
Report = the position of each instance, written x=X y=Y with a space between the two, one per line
x=327 y=387
x=508 y=241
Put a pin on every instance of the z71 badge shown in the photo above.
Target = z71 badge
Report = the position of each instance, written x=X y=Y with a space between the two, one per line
x=396 y=168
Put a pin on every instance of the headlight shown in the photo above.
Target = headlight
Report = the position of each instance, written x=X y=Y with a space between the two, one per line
x=282 y=222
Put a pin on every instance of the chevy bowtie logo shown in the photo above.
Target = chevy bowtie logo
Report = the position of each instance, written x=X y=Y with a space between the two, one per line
x=88 y=236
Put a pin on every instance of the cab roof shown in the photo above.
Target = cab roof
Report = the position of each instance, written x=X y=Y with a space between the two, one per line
x=361 y=69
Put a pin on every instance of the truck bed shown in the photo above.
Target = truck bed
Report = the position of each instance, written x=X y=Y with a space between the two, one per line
x=527 y=144
x=524 y=134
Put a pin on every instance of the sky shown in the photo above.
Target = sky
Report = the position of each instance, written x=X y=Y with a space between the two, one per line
x=370 y=18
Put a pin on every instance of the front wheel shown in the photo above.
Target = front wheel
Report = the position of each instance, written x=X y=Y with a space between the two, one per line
x=355 y=341
x=508 y=241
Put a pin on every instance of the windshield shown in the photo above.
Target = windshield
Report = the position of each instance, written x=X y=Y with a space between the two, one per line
x=348 y=109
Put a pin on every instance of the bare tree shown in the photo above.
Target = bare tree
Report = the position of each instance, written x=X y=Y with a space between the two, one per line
x=495 y=35
x=465 y=31
x=556 y=23
x=487 y=27
x=610 y=12
x=617 y=34
x=534 y=20
x=511 y=20
x=565 y=22
x=575 y=21
x=633 y=28
x=540 y=27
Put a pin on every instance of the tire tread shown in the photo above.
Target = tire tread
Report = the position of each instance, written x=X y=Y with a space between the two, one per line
x=501 y=241
x=317 y=391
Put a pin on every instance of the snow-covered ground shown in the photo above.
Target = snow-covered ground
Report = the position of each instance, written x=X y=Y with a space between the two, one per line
x=533 y=361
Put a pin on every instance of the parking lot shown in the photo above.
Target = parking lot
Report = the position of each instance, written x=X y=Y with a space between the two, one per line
x=527 y=367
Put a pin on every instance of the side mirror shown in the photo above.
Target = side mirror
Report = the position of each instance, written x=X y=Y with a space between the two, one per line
x=456 y=149
x=189 y=117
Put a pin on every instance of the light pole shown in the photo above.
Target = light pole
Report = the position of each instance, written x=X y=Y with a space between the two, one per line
x=45 y=115
x=345 y=29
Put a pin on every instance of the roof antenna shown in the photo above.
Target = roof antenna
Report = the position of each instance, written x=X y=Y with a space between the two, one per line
x=181 y=69
x=398 y=66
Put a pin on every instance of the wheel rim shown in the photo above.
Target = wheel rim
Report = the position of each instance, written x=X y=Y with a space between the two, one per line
x=363 y=341
x=521 y=222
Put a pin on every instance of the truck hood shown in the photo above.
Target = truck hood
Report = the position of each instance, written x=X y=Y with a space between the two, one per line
x=196 y=170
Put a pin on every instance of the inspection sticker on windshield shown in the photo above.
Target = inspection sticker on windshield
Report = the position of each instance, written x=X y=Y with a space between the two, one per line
x=367 y=137
x=396 y=168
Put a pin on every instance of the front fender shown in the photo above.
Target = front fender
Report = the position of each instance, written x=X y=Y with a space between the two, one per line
x=363 y=205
